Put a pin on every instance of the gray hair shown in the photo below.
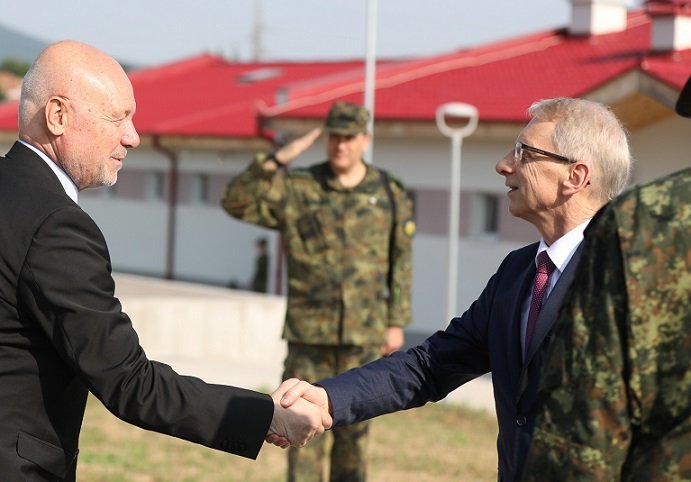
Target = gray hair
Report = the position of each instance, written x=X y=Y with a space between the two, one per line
x=589 y=132
x=34 y=93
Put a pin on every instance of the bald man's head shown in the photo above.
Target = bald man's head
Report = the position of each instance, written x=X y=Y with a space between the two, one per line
x=76 y=106
x=63 y=68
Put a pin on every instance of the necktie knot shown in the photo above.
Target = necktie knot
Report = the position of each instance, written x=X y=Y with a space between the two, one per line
x=544 y=264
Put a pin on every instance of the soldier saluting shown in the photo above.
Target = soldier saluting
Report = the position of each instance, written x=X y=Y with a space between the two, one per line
x=347 y=230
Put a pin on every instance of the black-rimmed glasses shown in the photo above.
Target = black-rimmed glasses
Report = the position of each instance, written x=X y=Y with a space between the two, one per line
x=520 y=147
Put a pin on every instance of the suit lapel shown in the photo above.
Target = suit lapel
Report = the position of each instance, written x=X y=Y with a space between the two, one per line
x=515 y=355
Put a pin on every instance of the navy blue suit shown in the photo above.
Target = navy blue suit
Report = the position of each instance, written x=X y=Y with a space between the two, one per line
x=486 y=338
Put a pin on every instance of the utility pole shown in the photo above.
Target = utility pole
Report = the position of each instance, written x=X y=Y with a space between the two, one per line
x=258 y=33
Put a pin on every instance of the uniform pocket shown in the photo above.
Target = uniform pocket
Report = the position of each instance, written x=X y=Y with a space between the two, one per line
x=315 y=228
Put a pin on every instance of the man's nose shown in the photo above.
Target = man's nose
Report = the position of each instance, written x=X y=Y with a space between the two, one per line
x=131 y=136
x=505 y=165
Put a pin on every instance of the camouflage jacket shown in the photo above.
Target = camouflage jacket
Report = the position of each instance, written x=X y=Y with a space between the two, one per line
x=617 y=386
x=337 y=244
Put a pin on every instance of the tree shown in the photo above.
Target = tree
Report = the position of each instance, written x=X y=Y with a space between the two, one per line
x=16 y=66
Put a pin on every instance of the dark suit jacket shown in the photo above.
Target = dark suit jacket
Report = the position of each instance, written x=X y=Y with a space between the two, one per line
x=486 y=338
x=63 y=333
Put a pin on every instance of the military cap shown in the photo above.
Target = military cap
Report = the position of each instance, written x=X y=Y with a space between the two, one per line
x=346 y=119
x=684 y=102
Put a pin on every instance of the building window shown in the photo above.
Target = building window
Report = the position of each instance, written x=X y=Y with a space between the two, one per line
x=200 y=188
x=155 y=186
x=484 y=218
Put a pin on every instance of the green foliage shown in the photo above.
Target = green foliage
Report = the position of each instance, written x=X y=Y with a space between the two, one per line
x=16 y=66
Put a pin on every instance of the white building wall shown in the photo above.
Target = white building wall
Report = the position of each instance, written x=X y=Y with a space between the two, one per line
x=661 y=148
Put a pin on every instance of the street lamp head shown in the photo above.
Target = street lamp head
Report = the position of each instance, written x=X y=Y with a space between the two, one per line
x=457 y=111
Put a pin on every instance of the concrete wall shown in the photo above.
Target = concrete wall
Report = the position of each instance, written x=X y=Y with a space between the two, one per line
x=221 y=335
x=226 y=336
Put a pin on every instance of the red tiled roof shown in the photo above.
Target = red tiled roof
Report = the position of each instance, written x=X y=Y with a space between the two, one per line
x=8 y=115
x=504 y=78
x=210 y=96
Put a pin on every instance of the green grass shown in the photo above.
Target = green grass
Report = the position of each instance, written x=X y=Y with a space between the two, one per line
x=438 y=442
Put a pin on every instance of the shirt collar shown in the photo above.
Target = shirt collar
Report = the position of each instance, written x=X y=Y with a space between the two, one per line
x=561 y=251
x=67 y=183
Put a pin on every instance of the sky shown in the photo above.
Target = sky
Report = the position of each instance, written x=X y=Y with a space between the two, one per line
x=154 y=32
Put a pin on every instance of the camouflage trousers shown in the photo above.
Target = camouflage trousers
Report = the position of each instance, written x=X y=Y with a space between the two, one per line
x=348 y=444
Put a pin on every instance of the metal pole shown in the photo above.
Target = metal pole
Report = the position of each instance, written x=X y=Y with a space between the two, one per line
x=457 y=111
x=370 y=71
x=454 y=222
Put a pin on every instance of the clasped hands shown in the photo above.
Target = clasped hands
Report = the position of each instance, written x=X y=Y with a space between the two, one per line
x=301 y=411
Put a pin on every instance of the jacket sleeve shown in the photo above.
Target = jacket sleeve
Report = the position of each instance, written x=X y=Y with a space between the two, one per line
x=67 y=288
x=401 y=275
x=257 y=196
x=427 y=372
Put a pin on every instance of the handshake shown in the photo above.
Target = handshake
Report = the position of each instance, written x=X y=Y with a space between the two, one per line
x=301 y=411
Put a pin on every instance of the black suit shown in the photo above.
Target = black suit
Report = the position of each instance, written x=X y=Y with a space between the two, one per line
x=486 y=338
x=63 y=334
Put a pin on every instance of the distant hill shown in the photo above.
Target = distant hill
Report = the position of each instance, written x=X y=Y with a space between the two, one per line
x=16 y=45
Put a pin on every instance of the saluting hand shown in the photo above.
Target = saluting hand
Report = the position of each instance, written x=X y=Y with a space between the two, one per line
x=294 y=148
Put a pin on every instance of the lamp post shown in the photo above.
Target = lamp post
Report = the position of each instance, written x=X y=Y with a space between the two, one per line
x=456 y=111
x=370 y=72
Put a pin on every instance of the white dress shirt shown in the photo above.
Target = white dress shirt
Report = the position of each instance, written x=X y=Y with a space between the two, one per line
x=560 y=252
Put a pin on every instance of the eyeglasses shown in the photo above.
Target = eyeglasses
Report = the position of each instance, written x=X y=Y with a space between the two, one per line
x=520 y=147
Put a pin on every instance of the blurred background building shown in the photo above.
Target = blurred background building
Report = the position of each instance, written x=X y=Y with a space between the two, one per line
x=201 y=119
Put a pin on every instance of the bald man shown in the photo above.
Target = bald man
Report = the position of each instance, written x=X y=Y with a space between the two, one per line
x=62 y=332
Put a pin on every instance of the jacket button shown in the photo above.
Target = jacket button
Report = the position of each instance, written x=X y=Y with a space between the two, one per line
x=521 y=421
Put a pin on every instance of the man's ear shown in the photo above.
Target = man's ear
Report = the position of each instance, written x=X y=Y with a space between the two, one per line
x=56 y=115
x=578 y=179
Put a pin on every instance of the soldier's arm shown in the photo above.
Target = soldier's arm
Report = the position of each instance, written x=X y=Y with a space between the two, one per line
x=256 y=194
x=286 y=154
x=401 y=277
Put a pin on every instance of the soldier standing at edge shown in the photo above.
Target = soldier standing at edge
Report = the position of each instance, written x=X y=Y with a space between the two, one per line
x=347 y=230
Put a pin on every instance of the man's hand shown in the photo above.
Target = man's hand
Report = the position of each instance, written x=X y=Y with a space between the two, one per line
x=297 y=420
x=293 y=149
x=395 y=338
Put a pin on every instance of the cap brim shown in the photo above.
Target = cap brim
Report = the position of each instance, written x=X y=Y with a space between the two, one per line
x=343 y=131
x=683 y=106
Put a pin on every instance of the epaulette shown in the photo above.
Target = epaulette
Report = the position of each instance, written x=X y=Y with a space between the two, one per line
x=300 y=172
x=393 y=180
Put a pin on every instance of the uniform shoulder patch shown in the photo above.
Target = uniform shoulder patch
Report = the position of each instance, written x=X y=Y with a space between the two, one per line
x=409 y=228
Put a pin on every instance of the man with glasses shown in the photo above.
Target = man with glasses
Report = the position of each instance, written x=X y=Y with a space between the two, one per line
x=615 y=390
x=570 y=160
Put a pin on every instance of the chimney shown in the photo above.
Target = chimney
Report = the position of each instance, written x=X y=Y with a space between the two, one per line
x=596 y=17
x=671 y=29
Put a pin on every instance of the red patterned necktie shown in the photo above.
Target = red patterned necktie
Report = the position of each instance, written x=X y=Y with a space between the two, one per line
x=544 y=270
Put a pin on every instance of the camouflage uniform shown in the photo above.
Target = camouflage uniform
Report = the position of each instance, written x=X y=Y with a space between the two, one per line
x=341 y=301
x=617 y=386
